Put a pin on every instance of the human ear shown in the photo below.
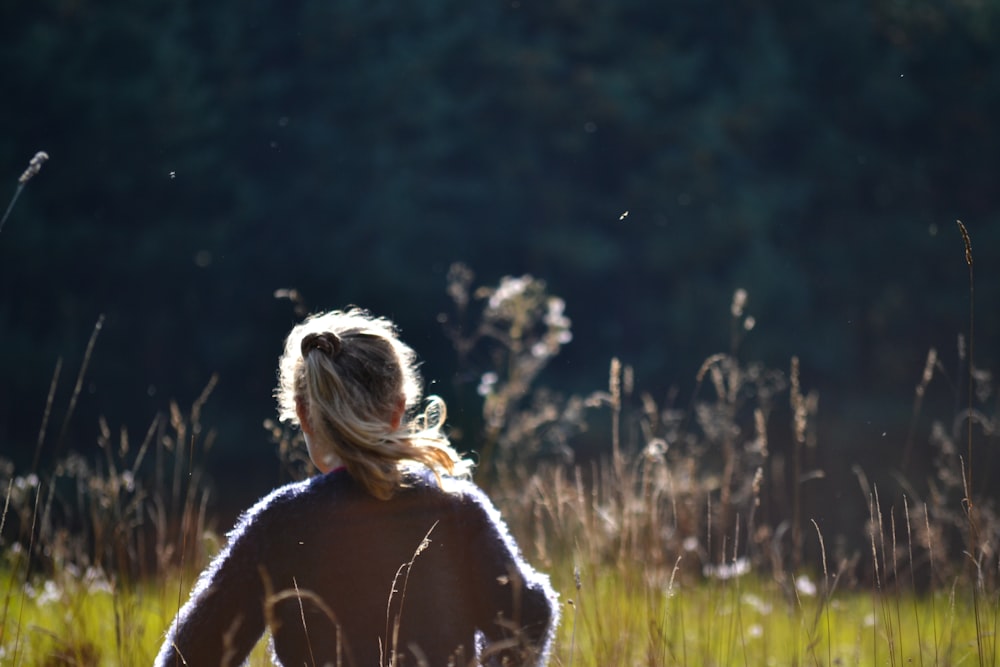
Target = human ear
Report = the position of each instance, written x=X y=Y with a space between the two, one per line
x=397 y=413
x=302 y=412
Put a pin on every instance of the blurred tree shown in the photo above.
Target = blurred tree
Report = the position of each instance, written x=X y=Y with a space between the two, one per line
x=205 y=155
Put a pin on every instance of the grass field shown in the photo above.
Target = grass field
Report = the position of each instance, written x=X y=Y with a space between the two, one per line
x=615 y=617
x=685 y=543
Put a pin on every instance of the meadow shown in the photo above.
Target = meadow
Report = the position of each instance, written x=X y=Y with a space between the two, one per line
x=686 y=540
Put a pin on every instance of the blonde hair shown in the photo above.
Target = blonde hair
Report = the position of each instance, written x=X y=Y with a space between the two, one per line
x=351 y=370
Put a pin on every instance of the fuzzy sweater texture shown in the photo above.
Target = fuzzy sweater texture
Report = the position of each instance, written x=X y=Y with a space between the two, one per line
x=341 y=578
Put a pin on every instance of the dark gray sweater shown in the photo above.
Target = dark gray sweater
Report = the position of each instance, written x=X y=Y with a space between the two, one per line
x=327 y=569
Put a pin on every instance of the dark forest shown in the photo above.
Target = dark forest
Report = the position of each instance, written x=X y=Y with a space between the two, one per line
x=644 y=159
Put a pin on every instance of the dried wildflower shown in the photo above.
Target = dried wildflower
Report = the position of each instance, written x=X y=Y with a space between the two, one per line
x=739 y=302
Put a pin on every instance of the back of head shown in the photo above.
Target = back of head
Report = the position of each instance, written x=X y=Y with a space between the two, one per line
x=353 y=380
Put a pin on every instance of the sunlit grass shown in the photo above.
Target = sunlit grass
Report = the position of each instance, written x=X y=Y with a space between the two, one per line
x=78 y=618
x=660 y=552
x=621 y=618
x=82 y=619
x=617 y=616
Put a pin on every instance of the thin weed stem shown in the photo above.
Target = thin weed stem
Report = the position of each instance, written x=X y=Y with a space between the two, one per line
x=826 y=594
x=913 y=581
x=404 y=571
x=877 y=590
x=302 y=615
x=6 y=505
x=799 y=431
x=78 y=388
x=10 y=579
x=573 y=603
x=920 y=391
x=895 y=582
x=615 y=392
x=27 y=575
x=970 y=509
x=46 y=414
x=930 y=557
x=272 y=599
x=34 y=166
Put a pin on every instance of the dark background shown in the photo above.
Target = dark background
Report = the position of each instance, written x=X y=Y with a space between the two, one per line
x=204 y=155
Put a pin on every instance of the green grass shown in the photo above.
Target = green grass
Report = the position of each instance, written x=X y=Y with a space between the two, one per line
x=82 y=619
x=79 y=619
x=618 y=616
x=634 y=543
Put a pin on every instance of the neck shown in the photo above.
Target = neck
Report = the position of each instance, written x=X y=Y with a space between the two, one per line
x=323 y=456
x=330 y=462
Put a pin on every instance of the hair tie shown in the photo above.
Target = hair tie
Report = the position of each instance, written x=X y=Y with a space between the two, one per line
x=327 y=342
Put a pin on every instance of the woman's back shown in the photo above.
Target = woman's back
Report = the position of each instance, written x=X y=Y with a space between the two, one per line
x=371 y=563
x=341 y=577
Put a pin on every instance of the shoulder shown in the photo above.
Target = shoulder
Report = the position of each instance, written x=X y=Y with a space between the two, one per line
x=478 y=516
x=469 y=495
x=287 y=501
x=492 y=542
x=455 y=491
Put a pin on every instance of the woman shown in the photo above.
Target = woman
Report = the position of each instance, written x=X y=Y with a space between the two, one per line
x=390 y=556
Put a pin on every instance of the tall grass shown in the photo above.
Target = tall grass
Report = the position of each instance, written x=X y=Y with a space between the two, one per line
x=97 y=553
x=687 y=540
